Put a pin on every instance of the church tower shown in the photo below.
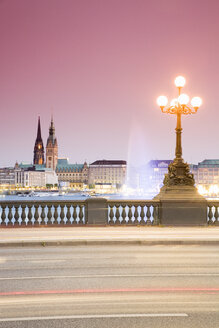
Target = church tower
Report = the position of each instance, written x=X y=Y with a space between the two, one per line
x=51 y=148
x=38 y=157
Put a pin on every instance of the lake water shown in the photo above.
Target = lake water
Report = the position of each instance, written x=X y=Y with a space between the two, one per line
x=76 y=196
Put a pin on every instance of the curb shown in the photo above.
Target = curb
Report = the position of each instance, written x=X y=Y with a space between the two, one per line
x=44 y=243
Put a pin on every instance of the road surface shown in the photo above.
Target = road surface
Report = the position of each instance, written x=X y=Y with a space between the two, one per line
x=110 y=286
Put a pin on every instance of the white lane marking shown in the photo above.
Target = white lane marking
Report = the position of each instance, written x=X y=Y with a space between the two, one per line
x=94 y=302
x=97 y=316
x=115 y=276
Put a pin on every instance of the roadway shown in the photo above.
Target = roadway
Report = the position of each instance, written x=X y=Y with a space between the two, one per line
x=110 y=286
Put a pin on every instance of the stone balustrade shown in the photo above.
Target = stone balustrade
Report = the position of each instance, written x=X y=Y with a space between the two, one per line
x=123 y=212
x=99 y=211
x=35 y=213
x=91 y=211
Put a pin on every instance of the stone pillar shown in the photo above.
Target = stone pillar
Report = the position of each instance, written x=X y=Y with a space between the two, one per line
x=182 y=206
x=183 y=213
x=96 y=211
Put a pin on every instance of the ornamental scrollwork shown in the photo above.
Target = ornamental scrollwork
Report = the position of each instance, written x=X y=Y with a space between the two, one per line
x=179 y=174
x=185 y=110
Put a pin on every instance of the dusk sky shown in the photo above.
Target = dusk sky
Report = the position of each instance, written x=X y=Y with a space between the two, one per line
x=98 y=66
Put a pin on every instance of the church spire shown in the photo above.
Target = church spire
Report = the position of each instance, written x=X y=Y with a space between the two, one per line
x=38 y=148
x=39 y=130
x=52 y=129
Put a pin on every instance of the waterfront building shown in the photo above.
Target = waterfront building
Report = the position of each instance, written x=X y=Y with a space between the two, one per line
x=28 y=176
x=7 y=178
x=157 y=170
x=111 y=172
x=208 y=172
x=38 y=157
x=75 y=174
x=52 y=148
x=206 y=175
x=35 y=179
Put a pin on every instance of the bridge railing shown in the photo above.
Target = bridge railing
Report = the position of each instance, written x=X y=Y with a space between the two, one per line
x=80 y=212
x=35 y=213
x=126 y=212
x=83 y=212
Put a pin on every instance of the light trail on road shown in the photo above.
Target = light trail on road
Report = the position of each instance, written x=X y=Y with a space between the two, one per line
x=97 y=316
x=114 y=276
x=108 y=290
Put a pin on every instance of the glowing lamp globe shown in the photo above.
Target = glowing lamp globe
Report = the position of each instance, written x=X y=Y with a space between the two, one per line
x=183 y=99
x=174 y=102
x=180 y=81
x=162 y=101
x=196 y=102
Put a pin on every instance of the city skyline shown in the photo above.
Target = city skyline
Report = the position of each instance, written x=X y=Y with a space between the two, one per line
x=98 y=68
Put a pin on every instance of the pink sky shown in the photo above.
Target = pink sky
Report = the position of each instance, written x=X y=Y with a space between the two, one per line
x=100 y=64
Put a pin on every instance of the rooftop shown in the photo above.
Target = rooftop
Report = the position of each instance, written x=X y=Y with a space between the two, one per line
x=63 y=165
x=109 y=162
x=209 y=162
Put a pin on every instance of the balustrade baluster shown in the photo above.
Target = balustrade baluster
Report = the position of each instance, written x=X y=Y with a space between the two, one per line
x=55 y=214
x=3 y=216
x=74 y=213
x=23 y=215
x=148 y=215
x=36 y=215
x=111 y=215
x=216 y=214
x=155 y=215
x=142 y=215
x=43 y=214
x=81 y=214
x=68 y=214
x=136 y=214
x=29 y=215
x=117 y=215
x=49 y=214
x=16 y=215
x=62 y=213
x=10 y=216
x=130 y=214
x=123 y=214
x=210 y=214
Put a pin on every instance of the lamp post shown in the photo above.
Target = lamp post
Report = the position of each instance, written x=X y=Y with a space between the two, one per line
x=178 y=170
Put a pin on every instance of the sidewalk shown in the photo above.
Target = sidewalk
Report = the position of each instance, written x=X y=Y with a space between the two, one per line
x=76 y=236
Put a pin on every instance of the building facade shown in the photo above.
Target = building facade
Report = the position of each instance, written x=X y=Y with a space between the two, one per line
x=7 y=177
x=157 y=170
x=206 y=174
x=32 y=176
x=107 y=172
x=75 y=174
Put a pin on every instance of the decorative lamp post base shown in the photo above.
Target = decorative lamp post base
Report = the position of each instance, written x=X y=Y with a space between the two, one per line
x=179 y=192
x=179 y=183
x=178 y=174
x=181 y=204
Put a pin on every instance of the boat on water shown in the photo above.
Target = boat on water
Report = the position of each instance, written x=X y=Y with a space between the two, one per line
x=85 y=194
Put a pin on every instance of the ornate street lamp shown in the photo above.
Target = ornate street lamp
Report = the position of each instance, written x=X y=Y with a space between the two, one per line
x=178 y=170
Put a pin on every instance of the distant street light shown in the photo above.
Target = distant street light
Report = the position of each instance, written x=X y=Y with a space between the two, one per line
x=178 y=171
